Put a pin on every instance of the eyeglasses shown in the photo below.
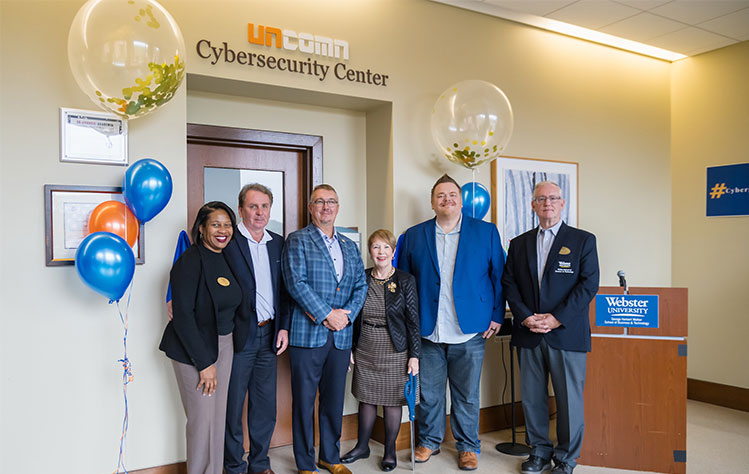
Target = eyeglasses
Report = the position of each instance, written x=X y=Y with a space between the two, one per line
x=322 y=202
x=542 y=199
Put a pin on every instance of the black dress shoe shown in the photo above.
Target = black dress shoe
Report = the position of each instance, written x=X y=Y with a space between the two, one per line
x=352 y=456
x=535 y=465
x=562 y=468
x=388 y=466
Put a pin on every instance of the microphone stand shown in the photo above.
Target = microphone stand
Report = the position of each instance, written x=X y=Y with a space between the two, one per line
x=623 y=284
x=513 y=448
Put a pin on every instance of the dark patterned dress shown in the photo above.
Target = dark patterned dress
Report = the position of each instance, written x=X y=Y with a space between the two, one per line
x=379 y=371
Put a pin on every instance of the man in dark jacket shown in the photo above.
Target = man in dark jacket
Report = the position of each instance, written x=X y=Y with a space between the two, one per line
x=550 y=278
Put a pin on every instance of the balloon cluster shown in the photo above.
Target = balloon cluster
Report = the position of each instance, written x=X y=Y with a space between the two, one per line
x=472 y=122
x=104 y=259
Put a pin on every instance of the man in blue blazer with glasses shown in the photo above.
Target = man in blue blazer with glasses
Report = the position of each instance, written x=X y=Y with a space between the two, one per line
x=457 y=261
x=324 y=275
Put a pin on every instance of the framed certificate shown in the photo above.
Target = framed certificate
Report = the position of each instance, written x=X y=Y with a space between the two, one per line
x=66 y=214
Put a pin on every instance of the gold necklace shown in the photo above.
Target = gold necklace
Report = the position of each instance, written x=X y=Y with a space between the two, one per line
x=383 y=281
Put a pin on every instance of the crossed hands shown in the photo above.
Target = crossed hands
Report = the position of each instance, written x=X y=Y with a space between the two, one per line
x=541 y=323
x=337 y=319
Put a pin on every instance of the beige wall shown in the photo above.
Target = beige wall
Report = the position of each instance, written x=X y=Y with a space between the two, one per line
x=710 y=114
x=61 y=397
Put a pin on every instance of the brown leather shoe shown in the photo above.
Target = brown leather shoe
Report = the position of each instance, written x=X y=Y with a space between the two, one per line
x=266 y=471
x=307 y=472
x=334 y=468
x=467 y=461
x=422 y=453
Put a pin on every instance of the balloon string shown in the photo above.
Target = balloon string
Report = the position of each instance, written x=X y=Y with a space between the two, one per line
x=473 y=180
x=127 y=377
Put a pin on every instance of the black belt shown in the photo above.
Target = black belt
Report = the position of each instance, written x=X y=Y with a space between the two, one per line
x=374 y=325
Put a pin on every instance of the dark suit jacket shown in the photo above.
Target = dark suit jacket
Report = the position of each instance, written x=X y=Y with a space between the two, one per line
x=310 y=277
x=477 y=286
x=568 y=285
x=191 y=337
x=238 y=257
x=401 y=314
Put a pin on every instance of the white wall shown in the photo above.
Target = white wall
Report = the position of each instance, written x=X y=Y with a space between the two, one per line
x=59 y=341
x=710 y=109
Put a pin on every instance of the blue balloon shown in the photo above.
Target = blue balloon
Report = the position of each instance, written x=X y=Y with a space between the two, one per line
x=476 y=200
x=147 y=187
x=105 y=262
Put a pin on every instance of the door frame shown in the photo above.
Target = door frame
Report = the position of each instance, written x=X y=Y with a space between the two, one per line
x=310 y=146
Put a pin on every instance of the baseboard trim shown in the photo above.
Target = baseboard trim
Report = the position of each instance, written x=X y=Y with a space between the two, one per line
x=176 y=468
x=718 y=394
x=497 y=417
x=494 y=418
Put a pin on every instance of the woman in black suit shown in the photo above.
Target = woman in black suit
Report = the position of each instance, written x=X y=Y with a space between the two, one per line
x=387 y=344
x=198 y=339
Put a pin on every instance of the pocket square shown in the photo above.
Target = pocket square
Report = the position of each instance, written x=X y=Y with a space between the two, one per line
x=564 y=251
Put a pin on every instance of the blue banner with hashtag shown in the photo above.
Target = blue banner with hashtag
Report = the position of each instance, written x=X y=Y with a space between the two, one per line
x=728 y=190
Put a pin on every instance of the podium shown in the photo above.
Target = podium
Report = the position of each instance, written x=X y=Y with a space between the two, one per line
x=636 y=390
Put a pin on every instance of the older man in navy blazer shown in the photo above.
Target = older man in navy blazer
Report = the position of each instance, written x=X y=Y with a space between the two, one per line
x=325 y=277
x=457 y=261
x=254 y=256
x=550 y=279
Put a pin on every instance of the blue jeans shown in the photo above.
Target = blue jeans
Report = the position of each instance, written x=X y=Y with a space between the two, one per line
x=253 y=372
x=461 y=365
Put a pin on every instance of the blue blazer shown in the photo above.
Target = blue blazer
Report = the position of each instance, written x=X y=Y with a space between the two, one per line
x=310 y=278
x=477 y=286
x=237 y=254
x=568 y=285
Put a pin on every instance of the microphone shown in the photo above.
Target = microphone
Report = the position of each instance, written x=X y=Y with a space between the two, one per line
x=622 y=281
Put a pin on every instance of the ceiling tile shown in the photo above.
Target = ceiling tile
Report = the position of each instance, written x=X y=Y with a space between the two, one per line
x=593 y=14
x=535 y=7
x=643 y=4
x=690 y=41
x=698 y=11
x=734 y=25
x=642 y=27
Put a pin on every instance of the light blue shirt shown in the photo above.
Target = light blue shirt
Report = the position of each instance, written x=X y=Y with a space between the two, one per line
x=334 y=249
x=263 y=279
x=447 y=330
x=544 y=241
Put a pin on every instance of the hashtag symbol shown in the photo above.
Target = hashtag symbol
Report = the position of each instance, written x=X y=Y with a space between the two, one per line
x=717 y=191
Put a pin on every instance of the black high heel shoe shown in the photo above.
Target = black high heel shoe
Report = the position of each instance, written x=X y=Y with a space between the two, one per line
x=388 y=466
x=352 y=456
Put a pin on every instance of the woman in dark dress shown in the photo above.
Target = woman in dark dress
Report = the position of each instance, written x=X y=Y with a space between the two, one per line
x=387 y=344
x=198 y=339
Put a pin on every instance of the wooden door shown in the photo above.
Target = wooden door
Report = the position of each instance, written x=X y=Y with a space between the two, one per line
x=220 y=160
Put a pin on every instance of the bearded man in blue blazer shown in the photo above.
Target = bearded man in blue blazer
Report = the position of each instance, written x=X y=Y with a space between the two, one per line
x=325 y=277
x=550 y=279
x=457 y=261
x=254 y=256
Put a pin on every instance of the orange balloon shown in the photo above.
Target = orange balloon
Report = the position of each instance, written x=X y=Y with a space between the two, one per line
x=114 y=217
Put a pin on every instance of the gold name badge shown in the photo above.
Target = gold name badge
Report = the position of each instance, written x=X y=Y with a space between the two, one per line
x=565 y=251
x=223 y=281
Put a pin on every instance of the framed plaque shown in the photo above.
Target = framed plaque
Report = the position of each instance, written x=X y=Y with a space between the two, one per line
x=88 y=136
